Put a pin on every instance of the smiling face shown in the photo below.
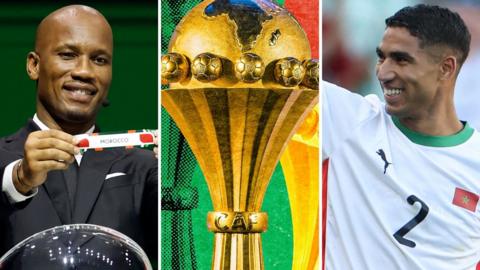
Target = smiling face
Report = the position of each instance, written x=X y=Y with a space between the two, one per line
x=408 y=74
x=72 y=65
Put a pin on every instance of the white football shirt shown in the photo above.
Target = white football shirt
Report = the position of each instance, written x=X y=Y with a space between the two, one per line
x=397 y=199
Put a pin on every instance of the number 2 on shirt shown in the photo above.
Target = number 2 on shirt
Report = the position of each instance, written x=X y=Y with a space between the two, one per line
x=399 y=235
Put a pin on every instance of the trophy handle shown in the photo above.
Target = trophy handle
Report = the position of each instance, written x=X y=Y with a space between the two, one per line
x=300 y=164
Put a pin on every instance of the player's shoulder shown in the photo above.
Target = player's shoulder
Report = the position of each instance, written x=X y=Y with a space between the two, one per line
x=469 y=147
x=475 y=138
x=375 y=102
x=335 y=91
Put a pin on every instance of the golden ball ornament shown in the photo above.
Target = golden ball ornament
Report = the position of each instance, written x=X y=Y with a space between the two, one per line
x=207 y=67
x=174 y=68
x=289 y=71
x=249 y=68
x=311 y=74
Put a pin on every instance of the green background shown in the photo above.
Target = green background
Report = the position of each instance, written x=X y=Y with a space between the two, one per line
x=277 y=241
x=134 y=89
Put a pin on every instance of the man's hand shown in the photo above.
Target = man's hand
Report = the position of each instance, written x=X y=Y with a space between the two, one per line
x=44 y=151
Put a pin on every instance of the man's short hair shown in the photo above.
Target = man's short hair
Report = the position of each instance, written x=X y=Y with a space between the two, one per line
x=434 y=25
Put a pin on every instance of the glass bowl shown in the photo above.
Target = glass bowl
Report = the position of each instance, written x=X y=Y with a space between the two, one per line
x=76 y=246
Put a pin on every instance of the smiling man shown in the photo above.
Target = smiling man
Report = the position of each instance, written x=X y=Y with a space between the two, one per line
x=403 y=176
x=46 y=182
x=72 y=64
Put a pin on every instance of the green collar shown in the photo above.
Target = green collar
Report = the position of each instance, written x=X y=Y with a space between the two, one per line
x=435 y=141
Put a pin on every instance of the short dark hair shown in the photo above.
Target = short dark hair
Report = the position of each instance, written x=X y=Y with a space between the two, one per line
x=434 y=25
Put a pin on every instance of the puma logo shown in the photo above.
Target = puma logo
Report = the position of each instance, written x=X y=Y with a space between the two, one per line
x=381 y=153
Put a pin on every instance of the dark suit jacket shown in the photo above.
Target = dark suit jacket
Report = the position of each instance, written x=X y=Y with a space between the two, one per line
x=126 y=203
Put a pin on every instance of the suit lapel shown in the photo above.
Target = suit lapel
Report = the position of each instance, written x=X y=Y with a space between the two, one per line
x=91 y=176
x=57 y=191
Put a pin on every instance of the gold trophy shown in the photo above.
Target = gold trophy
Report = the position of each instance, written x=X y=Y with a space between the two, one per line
x=240 y=78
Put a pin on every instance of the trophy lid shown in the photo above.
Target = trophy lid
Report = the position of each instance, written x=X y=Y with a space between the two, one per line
x=237 y=44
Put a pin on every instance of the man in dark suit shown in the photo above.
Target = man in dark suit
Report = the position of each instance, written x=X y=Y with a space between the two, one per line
x=45 y=181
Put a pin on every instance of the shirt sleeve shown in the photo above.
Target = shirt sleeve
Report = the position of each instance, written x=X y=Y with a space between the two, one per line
x=9 y=188
x=342 y=112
